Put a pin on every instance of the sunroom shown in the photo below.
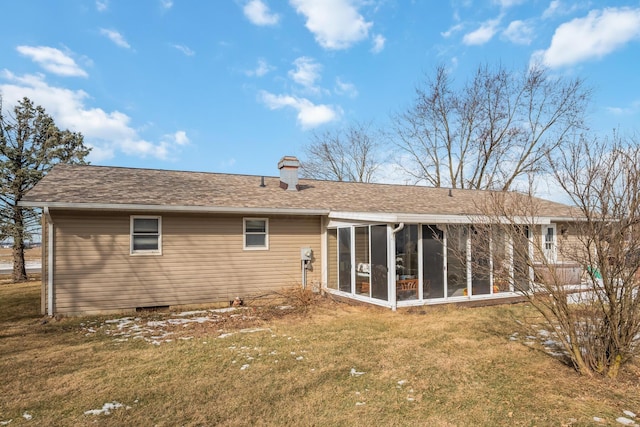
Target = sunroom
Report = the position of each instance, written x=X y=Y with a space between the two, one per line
x=402 y=263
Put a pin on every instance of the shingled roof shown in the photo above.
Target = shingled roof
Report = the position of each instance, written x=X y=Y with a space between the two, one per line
x=92 y=187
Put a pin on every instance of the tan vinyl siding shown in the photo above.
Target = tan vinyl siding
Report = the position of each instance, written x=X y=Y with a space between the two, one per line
x=202 y=261
x=570 y=247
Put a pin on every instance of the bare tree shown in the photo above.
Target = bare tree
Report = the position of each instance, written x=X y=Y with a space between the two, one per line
x=497 y=128
x=350 y=154
x=598 y=323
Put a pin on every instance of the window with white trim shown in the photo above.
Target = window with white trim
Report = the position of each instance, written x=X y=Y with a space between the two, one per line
x=256 y=233
x=146 y=235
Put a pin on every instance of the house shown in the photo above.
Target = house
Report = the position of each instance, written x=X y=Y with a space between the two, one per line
x=118 y=239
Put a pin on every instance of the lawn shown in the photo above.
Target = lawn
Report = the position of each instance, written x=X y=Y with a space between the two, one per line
x=285 y=363
x=31 y=254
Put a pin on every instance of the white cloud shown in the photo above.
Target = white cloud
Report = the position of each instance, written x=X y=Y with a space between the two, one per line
x=633 y=108
x=552 y=9
x=115 y=37
x=261 y=69
x=106 y=132
x=336 y=24
x=450 y=31
x=102 y=5
x=180 y=137
x=346 y=88
x=558 y=8
x=594 y=36
x=184 y=49
x=166 y=4
x=378 y=43
x=507 y=3
x=483 y=34
x=519 y=32
x=53 y=60
x=258 y=13
x=309 y=114
x=306 y=73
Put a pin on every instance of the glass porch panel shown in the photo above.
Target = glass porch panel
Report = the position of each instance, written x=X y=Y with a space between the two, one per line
x=521 y=260
x=363 y=266
x=456 y=260
x=332 y=259
x=344 y=259
x=379 y=268
x=432 y=262
x=407 y=263
x=480 y=263
x=501 y=261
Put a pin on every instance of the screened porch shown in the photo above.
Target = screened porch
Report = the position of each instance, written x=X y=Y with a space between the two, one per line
x=413 y=264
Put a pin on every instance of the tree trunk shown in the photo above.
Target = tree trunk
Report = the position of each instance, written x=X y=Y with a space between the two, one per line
x=19 y=269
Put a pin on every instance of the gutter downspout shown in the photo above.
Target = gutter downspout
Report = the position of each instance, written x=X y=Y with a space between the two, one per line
x=394 y=303
x=50 y=246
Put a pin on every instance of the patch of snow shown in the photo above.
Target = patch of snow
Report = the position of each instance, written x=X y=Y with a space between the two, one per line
x=228 y=334
x=355 y=373
x=598 y=419
x=402 y=382
x=361 y=403
x=27 y=416
x=626 y=421
x=243 y=367
x=629 y=413
x=191 y=313
x=223 y=310
x=252 y=330
x=121 y=320
x=299 y=358
x=285 y=307
x=4 y=423
x=106 y=408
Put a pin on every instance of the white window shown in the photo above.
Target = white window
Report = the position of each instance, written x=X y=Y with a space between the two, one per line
x=146 y=235
x=256 y=233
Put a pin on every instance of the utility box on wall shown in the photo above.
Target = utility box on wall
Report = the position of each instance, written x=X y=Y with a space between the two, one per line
x=306 y=254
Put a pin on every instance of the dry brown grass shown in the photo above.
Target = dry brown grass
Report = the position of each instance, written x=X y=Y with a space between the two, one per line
x=33 y=254
x=439 y=366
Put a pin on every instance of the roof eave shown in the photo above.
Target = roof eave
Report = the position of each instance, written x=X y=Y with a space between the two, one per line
x=394 y=218
x=129 y=207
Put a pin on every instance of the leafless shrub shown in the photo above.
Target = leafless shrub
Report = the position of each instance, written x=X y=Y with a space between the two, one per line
x=598 y=322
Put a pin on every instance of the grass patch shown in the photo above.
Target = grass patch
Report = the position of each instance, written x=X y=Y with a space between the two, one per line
x=311 y=364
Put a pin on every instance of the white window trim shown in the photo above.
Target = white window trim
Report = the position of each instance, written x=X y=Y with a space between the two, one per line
x=266 y=234
x=146 y=251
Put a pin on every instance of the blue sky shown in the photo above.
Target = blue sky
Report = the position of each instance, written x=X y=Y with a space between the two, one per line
x=233 y=85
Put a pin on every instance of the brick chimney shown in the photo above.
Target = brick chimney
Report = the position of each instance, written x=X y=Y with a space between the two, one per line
x=288 y=166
